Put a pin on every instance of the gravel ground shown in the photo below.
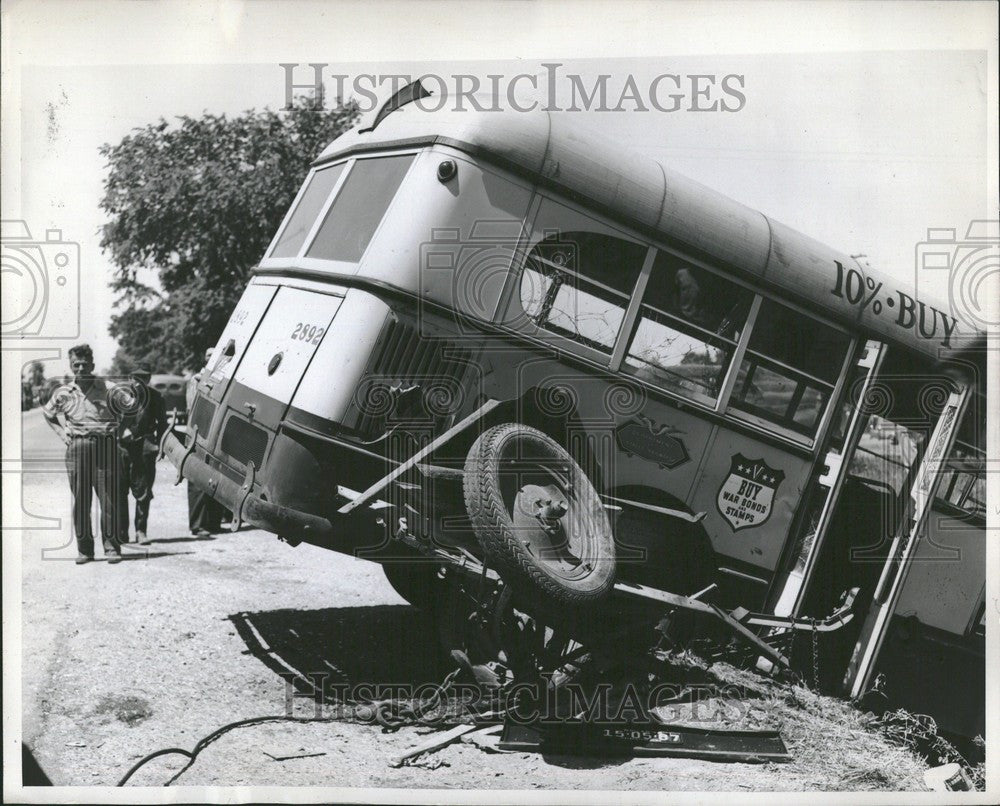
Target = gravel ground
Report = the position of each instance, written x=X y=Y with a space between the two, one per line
x=190 y=634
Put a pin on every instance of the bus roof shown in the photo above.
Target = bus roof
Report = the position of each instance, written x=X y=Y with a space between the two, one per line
x=552 y=149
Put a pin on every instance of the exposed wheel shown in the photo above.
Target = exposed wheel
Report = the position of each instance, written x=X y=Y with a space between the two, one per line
x=539 y=521
x=416 y=581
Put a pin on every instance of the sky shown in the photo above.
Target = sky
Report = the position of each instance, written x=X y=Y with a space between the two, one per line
x=863 y=147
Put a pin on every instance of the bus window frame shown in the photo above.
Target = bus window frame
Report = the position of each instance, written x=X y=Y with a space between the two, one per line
x=509 y=307
x=608 y=294
x=818 y=435
x=510 y=310
x=717 y=404
x=300 y=261
x=772 y=365
x=334 y=190
x=976 y=627
x=348 y=163
x=973 y=466
x=720 y=407
x=291 y=209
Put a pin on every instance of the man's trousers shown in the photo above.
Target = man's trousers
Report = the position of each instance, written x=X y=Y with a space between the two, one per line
x=94 y=465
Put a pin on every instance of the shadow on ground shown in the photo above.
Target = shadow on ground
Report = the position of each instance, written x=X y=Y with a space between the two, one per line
x=379 y=645
x=190 y=539
x=136 y=552
x=197 y=538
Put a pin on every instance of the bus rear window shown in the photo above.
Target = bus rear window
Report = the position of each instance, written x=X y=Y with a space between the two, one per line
x=359 y=208
x=791 y=366
x=311 y=202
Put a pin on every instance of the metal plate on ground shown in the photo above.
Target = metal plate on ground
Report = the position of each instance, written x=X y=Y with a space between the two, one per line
x=646 y=739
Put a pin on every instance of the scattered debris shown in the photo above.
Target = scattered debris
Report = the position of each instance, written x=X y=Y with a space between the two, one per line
x=429 y=762
x=841 y=748
x=948 y=778
x=284 y=754
x=646 y=739
x=433 y=744
x=919 y=732
x=487 y=739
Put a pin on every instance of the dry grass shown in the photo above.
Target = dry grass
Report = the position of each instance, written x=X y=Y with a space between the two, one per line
x=834 y=747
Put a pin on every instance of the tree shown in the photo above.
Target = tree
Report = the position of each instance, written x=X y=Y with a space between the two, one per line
x=32 y=382
x=197 y=203
x=35 y=373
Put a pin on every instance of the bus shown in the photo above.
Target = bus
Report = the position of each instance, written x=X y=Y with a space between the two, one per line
x=495 y=341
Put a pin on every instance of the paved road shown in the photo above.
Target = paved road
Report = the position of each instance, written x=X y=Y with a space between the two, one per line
x=190 y=634
x=38 y=440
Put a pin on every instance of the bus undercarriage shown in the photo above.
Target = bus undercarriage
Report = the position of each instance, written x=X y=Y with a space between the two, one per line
x=498 y=634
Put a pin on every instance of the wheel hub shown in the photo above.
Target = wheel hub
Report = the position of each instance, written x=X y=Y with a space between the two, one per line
x=540 y=517
x=537 y=507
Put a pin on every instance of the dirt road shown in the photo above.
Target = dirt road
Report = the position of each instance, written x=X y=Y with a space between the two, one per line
x=190 y=634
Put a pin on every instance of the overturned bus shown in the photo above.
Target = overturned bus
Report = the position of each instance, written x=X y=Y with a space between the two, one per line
x=493 y=346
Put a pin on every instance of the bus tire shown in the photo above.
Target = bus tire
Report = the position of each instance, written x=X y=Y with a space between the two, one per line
x=505 y=491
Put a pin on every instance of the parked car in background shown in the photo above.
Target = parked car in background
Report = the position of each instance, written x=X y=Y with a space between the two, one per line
x=172 y=388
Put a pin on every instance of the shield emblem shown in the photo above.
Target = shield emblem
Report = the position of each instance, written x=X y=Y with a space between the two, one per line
x=746 y=497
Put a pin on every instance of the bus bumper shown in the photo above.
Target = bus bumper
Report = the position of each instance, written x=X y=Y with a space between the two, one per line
x=290 y=525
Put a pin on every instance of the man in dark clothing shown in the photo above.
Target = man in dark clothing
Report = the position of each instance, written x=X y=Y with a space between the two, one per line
x=204 y=513
x=143 y=421
x=81 y=414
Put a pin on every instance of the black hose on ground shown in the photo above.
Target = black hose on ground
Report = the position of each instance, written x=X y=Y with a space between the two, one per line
x=383 y=713
x=206 y=741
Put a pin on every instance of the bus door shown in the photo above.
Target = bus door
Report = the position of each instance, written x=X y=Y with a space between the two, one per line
x=904 y=417
x=821 y=499
x=936 y=633
x=902 y=550
x=258 y=363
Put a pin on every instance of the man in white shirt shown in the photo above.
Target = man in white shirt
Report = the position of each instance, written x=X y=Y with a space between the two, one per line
x=81 y=414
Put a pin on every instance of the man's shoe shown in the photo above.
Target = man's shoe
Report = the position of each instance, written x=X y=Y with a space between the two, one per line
x=83 y=558
x=140 y=538
x=114 y=558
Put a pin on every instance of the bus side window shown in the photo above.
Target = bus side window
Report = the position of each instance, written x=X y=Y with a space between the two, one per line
x=689 y=325
x=791 y=366
x=578 y=277
x=963 y=478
